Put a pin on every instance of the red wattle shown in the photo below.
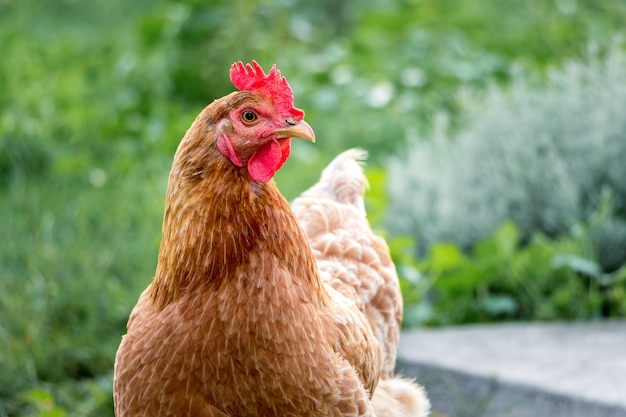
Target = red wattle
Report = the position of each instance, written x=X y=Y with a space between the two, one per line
x=268 y=159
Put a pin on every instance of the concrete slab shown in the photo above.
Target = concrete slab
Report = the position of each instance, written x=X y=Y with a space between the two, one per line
x=521 y=369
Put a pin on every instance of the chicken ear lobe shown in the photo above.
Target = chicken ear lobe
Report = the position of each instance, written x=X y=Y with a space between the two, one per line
x=268 y=159
x=226 y=148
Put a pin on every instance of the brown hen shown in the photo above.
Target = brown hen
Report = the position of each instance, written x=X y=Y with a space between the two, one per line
x=237 y=321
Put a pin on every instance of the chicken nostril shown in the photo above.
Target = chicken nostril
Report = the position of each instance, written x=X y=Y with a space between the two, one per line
x=291 y=121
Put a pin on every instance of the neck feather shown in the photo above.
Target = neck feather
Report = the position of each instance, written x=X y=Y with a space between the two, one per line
x=217 y=220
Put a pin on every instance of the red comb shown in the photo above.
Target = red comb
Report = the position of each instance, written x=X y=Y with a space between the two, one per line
x=252 y=78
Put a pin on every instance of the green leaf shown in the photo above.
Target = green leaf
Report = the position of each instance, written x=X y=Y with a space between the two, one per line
x=577 y=264
x=376 y=198
x=445 y=257
x=503 y=242
x=43 y=401
x=499 y=305
x=507 y=238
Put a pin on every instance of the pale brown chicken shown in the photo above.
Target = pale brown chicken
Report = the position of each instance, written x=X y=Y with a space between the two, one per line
x=237 y=321
x=354 y=261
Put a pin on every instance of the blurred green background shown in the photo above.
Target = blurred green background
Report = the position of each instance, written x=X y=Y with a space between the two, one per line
x=496 y=132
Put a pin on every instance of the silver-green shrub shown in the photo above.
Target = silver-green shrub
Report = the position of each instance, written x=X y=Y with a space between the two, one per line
x=540 y=154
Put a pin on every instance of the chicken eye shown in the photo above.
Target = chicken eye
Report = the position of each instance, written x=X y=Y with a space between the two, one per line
x=248 y=116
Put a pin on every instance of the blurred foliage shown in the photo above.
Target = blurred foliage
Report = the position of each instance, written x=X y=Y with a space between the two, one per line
x=501 y=279
x=544 y=154
x=580 y=275
x=520 y=214
x=95 y=95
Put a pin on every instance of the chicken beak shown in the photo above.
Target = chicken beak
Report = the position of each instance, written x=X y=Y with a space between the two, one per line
x=300 y=130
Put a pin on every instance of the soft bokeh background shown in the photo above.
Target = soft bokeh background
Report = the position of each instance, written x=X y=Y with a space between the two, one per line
x=496 y=132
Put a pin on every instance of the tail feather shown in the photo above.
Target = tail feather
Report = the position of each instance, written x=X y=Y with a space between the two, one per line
x=400 y=397
x=343 y=180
